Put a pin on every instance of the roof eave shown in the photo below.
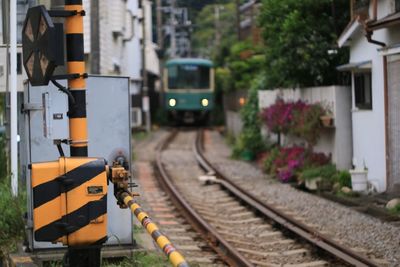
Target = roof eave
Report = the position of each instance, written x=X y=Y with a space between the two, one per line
x=350 y=30
x=388 y=21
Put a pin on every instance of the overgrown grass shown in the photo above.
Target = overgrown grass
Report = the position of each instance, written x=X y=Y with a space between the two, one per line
x=140 y=135
x=11 y=218
x=141 y=259
x=395 y=210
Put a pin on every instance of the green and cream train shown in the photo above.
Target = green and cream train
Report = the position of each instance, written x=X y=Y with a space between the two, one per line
x=189 y=90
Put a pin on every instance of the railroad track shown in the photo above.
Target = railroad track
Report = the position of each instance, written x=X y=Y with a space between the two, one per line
x=239 y=227
x=179 y=231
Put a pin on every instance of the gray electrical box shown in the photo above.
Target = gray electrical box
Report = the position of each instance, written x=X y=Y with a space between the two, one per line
x=108 y=112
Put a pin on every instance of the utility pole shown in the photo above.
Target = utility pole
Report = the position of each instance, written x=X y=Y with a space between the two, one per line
x=145 y=85
x=173 y=29
x=78 y=129
x=94 y=37
x=160 y=36
x=160 y=41
x=13 y=97
x=238 y=19
x=217 y=26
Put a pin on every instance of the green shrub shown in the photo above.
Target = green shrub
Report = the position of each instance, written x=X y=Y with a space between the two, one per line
x=223 y=79
x=327 y=172
x=3 y=157
x=250 y=139
x=395 y=210
x=269 y=160
x=11 y=218
x=343 y=178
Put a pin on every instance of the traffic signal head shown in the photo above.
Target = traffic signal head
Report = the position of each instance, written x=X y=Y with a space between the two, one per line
x=41 y=46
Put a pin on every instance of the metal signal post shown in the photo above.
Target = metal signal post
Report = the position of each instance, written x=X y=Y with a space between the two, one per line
x=76 y=65
x=89 y=256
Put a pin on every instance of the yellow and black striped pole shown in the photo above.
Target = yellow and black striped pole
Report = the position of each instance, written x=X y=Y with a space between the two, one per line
x=162 y=241
x=76 y=65
x=89 y=255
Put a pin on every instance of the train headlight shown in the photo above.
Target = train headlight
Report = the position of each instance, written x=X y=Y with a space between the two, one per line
x=172 y=102
x=204 y=102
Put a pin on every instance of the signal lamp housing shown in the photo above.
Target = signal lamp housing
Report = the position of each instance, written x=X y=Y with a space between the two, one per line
x=42 y=46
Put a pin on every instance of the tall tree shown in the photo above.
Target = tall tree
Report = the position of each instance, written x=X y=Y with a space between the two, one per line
x=300 y=41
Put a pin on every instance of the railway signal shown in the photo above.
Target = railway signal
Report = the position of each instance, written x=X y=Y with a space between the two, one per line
x=42 y=51
x=70 y=194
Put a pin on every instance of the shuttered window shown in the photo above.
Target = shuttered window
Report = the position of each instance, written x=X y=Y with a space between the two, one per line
x=363 y=90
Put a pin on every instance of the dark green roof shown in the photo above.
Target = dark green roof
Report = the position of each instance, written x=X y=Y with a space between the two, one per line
x=189 y=61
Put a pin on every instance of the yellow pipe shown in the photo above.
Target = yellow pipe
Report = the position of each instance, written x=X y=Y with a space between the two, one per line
x=162 y=241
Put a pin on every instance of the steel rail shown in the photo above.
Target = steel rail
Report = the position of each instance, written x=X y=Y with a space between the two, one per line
x=227 y=252
x=298 y=228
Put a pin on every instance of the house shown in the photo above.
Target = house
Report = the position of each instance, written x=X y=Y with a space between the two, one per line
x=247 y=14
x=373 y=37
x=118 y=48
x=22 y=7
x=113 y=32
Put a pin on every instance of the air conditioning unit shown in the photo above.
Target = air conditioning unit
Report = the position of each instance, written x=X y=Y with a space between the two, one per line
x=136 y=117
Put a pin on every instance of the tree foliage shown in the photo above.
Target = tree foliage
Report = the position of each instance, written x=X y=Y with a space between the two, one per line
x=205 y=42
x=250 y=138
x=300 y=37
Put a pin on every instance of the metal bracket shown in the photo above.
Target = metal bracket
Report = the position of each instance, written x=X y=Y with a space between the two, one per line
x=65 y=13
x=70 y=76
x=27 y=107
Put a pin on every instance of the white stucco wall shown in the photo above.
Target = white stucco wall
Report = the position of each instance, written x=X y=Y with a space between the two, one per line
x=132 y=60
x=369 y=125
x=118 y=20
x=336 y=141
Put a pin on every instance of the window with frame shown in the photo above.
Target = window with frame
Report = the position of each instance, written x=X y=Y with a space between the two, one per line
x=363 y=90
x=397 y=5
x=361 y=8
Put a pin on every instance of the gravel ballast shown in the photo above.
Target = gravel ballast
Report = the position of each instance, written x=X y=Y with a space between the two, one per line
x=361 y=232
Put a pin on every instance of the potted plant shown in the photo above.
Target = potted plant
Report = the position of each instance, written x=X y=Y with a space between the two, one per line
x=359 y=179
x=326 y=120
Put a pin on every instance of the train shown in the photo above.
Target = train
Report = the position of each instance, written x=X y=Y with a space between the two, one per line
x=188 y=90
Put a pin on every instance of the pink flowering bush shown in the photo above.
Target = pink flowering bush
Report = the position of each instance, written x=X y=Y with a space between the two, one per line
x=287 y=162
x=279 y=116
x=294 y=118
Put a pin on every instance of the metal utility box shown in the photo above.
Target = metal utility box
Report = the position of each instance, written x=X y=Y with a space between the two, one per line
x=45 y=119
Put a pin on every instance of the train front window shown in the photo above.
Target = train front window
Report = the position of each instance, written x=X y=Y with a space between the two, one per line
x=188 y=77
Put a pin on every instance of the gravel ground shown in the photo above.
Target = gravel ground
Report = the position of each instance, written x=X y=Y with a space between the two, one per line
x=358 y=231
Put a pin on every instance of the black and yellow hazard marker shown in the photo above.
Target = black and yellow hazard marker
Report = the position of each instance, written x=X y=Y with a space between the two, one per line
x=70 y=201
x=162 y=241
x=76 y=65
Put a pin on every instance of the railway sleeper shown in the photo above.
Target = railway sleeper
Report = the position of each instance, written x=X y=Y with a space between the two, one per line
x=307 y=264
x=289 y=253
x=249 y=228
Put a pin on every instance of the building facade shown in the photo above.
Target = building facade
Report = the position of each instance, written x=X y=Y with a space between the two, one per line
x=373 y=37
